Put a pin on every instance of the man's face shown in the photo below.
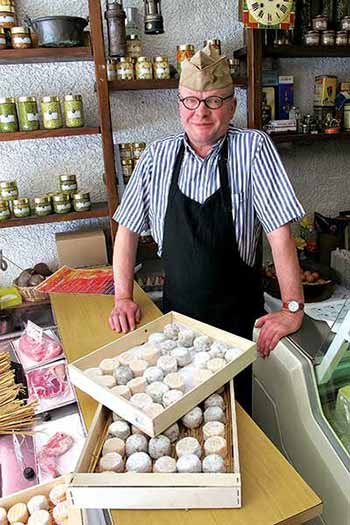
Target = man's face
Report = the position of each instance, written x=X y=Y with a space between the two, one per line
x=205 y=126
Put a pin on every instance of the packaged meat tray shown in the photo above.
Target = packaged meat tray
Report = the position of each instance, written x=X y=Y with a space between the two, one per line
x=36 y=347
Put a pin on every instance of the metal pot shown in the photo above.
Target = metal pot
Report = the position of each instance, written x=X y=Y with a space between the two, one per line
x=58 y=31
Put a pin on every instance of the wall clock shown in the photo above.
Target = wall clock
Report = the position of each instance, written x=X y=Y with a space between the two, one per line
x=268 y=14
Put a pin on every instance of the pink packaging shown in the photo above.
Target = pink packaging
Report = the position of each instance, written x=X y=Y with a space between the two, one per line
x=37 y=346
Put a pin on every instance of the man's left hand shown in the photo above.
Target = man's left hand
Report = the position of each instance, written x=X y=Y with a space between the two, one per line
x=274 y=326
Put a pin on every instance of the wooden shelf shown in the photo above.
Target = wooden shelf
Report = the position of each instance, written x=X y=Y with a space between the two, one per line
x=99 y=209
x=301 y=138
x=37 y=55
x=48 y=133
x=139 y=85
x=299 y=52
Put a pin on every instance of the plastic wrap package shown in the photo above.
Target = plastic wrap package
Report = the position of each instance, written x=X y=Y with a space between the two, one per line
x=36 y=346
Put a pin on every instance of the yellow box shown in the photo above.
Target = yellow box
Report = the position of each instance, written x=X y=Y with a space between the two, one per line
x=325 y=90
x=271 y=100
x=9 y=297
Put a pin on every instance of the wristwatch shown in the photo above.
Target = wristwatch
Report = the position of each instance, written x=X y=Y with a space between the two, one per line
x=293 y=306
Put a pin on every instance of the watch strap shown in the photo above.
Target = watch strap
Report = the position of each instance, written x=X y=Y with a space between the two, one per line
x=300 y=305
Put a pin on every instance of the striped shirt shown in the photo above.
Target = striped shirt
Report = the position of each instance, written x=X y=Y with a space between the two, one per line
x=260 y=189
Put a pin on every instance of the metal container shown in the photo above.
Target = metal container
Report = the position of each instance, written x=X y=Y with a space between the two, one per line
x=82 y=201
x=8 y=115
x=20 y=37
x=125 y=69
x=115 y=16
x=73 y=111
x=52 y=113
x=28 y=115
x=68 y=183
x=328 y=38
x=58 y=31
x=21 y=208
x=312 y=38
x=183 y=52
x=144 y=69
x=341 y=38
x=320 y=23
x=62 y=203
x=161 y=68
x=42 y=206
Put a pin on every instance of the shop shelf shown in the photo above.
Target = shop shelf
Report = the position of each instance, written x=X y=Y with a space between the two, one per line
x=133 y=85
x=99 y=209
x=299 y=52
x=37 y=55
x=48 y=133
x=302 y=138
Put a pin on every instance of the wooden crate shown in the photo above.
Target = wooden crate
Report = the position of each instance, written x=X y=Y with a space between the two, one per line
x=75 y=516
x=154 y=426
x=89 y=489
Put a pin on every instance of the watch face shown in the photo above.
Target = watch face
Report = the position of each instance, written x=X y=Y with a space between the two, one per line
x=293 y=306
x=270 y=12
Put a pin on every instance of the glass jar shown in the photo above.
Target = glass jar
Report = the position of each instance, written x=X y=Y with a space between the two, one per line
x=8 y=190
x=183 y=52
x=42 y=206
x=21 y=208
x=341 y=38
x=138 y=148
x=5 y=212
x=144 y=70
x=68 y=183
x=2 y=38
x=52 y=114
x=328 y=38
x=320 y=23
x=111 y=69
x=28 y=115
x=235 y=67
x=62 y=203
x=161 y=68
x=127 y=169
x=125 y=151
x=8 y=16
x=346 y=118
x=312 y=38
x=133 y=46
x=215 y=45
x=20 y=38
x=81 y=201
x=73 y=111
x=345 y=23
x=125 y=69
x=8 y=115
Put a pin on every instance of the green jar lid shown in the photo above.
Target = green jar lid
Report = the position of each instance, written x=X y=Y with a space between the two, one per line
x=61 y=197
x=20 y=30
x=21 y=202
x=7 y=100
x=26 y=99
x=44 y=199
x=69 y=98
x=68 y=178
x=81 y=195
x=50 y=99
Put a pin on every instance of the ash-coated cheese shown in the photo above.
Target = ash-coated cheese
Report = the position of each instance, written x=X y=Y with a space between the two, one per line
x=201 y=375
x=151 y=355
x=157 y=390
x=167 y=363
x=175 y=381
x=213 y=464
x=201 y=359
x=171 y=331
x=171 y=397
x=213 y=428
x=93 y=372
x=39 y=502
x=215 y=445
x=193 y=418
x=60 y=513
x=172 y=433
x=141 y=401
x=215 y=400
x=137 y=385
x=186 y=337
x=152 y=374
x=122 y=391
x=139 y=462
x=136 y=443
x=120 y=429
x=188 y=445
x=107 y=366
x=202 y=343
x=138 y=367
x=41 y=517
x=167 y=346
x=18 y=512
x=154 y=410
x=126 y=357
x=157 y=337
x=216 y=364
x=111 y=462
x=106 y=381
x=189 y=463
x=232 y=353
x=214 y=414
x=219 y=347
x=182 y=355
x=58 y=493
x=165 y=465
x=123 y=375
x=159 y=446
x=114 y=445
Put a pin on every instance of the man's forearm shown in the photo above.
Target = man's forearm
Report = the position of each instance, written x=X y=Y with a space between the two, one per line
x=124 y=257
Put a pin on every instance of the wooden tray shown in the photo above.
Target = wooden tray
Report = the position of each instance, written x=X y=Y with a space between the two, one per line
x=154 y=426
x=89 y=489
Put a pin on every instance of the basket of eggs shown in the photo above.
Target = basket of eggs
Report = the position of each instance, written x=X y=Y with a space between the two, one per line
x=29 y=279
x=317 y=281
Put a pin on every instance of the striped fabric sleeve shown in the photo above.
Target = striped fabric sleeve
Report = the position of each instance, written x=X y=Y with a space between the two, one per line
x=133 y=211
x=274 y=199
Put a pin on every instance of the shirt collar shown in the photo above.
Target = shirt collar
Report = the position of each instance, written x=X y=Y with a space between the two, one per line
x=215 y=150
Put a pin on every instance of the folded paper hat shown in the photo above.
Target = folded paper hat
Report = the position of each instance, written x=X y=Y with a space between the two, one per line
x=205 y=71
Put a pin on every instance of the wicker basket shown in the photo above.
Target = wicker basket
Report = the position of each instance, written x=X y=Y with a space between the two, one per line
x=30 y=294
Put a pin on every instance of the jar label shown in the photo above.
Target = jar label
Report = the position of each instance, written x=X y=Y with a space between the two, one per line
x=5 y=119
x=21 y=212
x=51 y=115
x=41 y=209
x=75 y=113
x=144 y=71
x=9 y=193
x=22 y=40
x=82 y=205
x=63 y=207
x=32 y=117
x=6 y=19
x=65 y=186
x=2 y=41
x=5 y=214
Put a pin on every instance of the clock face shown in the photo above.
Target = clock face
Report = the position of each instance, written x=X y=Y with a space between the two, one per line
x=270 y=12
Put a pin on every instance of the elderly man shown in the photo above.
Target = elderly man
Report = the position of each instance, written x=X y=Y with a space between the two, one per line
x=205 y=194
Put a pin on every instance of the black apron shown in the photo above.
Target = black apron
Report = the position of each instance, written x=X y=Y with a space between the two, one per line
x=205 y=277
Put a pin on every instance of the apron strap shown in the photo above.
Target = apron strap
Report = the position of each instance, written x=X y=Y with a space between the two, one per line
x=225 y=187
x=177 y=166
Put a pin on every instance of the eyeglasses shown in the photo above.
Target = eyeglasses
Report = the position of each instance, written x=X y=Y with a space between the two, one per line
x=212 y=102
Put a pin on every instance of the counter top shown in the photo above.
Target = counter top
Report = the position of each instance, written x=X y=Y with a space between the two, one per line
x=272 y=491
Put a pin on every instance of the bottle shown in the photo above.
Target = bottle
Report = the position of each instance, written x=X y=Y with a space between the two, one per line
x=266 y=111
x=130 y=22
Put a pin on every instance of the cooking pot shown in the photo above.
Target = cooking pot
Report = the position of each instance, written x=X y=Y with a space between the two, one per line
x=58 y=31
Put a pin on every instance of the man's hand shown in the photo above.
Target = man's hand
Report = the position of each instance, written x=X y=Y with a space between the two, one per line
x=274 y=326
x=124 y=315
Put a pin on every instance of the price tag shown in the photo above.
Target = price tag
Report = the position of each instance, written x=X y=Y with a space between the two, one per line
x=34 y=331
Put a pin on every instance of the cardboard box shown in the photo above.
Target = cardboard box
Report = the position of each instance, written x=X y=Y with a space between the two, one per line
x=82 y=248
x=90 y=489
x=285 y=96
x=325 y=90
x=271 y=100
x=153 y=426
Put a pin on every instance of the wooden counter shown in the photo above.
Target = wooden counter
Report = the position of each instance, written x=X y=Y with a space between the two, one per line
x=273 y=492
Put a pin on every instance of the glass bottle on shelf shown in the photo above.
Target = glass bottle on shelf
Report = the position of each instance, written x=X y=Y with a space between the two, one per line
x=266 y=111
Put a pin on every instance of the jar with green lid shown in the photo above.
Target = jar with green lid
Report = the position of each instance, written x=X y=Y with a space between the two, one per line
x=5 y=212
x=125 y=151
x=8 y=115
x=138 y=149
x=73 y=111
x=235 y=67
x=28 y=115
x=111 y=69
x=20 y=37
x=125 y=69
x=133 y=46
x=68 y=183
x=8 y=190
x=127 y=169
x=62 y=203
x=81 y=201
x=21 y=208
x=52 y=114
x=144 y=69
x=2 y=38
x=42 y=206
x=161 y=68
